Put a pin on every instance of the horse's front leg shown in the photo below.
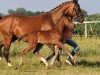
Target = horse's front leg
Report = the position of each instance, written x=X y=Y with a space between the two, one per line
x=36 y=51
x=42 y=59
x=59 y=53
x=38 y=47
x=55 y=55
x=7 y=43
x=1 y=45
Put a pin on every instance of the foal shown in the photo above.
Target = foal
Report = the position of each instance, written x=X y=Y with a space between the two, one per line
x=53 y=36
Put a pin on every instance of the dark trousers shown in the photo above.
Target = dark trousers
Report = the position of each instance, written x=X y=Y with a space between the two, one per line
x=73 y=44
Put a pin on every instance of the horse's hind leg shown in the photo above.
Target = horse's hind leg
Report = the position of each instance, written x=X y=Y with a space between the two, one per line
x=39 y=46
x=7 y=42
x=50 y=56
x=1 y=45
x=36 y=51
x=23 y=53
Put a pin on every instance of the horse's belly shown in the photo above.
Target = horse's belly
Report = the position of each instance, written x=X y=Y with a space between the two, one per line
x=48 y=37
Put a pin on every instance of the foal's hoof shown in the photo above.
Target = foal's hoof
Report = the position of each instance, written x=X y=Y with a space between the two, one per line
x=9 y=64
x=70 y=61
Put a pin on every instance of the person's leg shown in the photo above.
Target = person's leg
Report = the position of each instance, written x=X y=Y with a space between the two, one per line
x=74 y=45
x=73 y=52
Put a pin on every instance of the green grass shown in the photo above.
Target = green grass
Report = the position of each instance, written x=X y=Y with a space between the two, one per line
x=88 y=60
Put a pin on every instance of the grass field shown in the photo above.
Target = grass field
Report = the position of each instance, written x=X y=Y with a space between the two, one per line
x=88 y=60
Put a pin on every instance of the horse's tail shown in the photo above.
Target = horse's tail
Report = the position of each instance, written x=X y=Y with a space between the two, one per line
x=19 y=39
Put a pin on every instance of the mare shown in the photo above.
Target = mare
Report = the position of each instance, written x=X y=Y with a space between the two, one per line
x=13 y=25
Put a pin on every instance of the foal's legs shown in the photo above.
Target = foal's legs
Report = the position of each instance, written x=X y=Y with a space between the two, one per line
x=24 y=52
x=38 y=47
x=55 y=55
x=32 y=44
x=56 y=52
x=50 y=56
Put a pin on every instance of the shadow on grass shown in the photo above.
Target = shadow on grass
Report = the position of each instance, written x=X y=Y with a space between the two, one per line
x=89 y=63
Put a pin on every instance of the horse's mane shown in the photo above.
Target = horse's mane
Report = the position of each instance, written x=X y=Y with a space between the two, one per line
x=58 y=7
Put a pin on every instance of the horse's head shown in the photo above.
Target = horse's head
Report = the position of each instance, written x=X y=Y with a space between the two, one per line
x=74 y=11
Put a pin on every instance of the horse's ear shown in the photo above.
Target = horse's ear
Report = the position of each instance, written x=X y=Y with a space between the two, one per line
x=76 y=1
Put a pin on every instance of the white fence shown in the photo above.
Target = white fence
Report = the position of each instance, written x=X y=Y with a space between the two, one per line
x=85 y=25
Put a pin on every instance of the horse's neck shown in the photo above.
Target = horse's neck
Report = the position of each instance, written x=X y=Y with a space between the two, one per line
x=58 y=12
x=59 y=26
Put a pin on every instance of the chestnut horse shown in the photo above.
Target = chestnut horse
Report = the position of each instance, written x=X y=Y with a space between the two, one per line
x=20 y=25
x=49 y=37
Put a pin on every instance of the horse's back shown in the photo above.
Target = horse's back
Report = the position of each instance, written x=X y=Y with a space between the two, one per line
x=27 y=24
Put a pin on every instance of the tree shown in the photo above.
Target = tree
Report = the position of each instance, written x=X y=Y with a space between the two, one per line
x=20 y=11
x=11 y=12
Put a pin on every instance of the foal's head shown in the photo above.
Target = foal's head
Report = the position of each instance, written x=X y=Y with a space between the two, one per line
x=74 y=11
x=64 y=22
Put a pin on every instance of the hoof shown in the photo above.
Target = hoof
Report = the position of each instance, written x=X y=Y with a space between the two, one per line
x=68 y=62
x=9 y=64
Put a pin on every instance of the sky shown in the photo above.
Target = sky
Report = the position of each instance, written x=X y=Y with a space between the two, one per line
x=91 y=6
